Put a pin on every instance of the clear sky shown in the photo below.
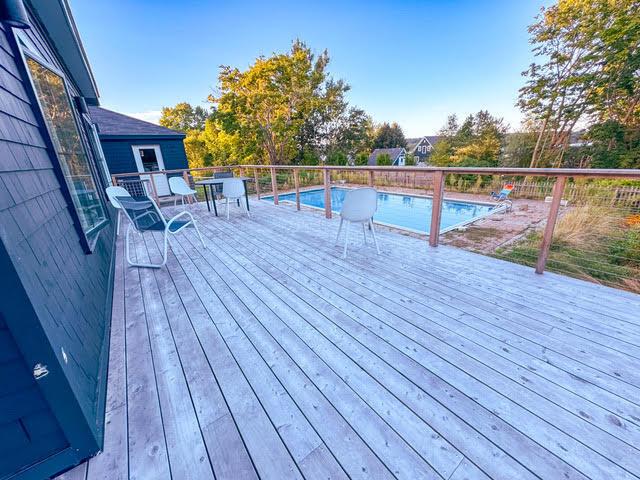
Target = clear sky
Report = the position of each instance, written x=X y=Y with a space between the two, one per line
x=412 y=62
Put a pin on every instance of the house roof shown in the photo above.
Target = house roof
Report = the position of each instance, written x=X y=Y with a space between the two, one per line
x=113 y=124
x=412 y=143
x=393 y=153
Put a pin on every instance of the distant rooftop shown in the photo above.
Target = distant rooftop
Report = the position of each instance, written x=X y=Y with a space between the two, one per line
x=113 y=124
x=393 y=153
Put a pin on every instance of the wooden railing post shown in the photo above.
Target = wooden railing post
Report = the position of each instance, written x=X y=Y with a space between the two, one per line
x=436 y=207
x=257 y=180
x=274 y=186
x=327 y=192
x=185 y=176
x=296 y=183
x=154 y=190
x=114 y=180
x=371 y=178
x=547 y=238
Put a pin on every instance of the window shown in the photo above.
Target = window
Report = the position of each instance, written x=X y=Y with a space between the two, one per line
x=74 y=162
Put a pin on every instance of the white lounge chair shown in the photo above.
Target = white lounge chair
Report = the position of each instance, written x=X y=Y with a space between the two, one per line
x=359 y=206
x=112 y=193
x=233 y=189
x=178 y=186
x=144 y=215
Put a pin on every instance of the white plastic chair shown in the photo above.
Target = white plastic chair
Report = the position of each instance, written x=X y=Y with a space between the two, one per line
x=144 y=215
x=233 y=189
x=178 y=186
x=112 y=193
x=359 y=206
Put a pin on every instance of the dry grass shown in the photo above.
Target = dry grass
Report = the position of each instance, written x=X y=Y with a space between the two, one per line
x=580 y=225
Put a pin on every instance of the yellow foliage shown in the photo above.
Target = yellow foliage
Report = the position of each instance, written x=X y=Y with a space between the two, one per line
x=486 y=149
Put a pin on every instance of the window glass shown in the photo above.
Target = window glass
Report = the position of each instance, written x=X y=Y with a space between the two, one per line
x=56 y=107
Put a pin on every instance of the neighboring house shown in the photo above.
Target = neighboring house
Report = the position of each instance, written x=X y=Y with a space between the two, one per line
x=421 y=148
x=132 y=145
x=56 y=246
x=397 y=156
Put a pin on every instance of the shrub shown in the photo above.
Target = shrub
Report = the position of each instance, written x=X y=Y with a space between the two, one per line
x=383 y=159
x=583 y=225
x=626 y=250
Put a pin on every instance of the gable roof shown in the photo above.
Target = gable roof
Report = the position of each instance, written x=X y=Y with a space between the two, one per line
x=113 y=124
x=393 y=153
x=412 y=143
x=433 y=139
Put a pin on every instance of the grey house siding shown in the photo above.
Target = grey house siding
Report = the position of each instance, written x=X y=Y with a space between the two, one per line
x=119 y=153
x=55 y=300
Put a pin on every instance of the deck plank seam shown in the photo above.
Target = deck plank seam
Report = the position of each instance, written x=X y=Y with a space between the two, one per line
x=544 y=420
x=310 y=380
x=516 y=333
x=337 y=375
x=311 y=266
x=376 y=380
x=383 y=286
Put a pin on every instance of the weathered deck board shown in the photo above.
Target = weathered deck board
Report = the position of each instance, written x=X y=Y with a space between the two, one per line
x=598 y=416
x=470 y=366
x=269 y=356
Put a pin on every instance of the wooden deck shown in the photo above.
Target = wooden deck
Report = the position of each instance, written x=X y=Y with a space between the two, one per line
x=269 y=356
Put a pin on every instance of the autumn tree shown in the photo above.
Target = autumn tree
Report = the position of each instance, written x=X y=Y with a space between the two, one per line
x=271 y=103
x=184 y=117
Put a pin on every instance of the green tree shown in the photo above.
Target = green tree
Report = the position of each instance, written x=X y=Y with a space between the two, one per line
x=442 y=153
x=389 y=136
x=383 y=160
x=361 y=159
x=476 y=142
x=196 y=149
x=409 y=160
x=336 y=158
x=518 y=149
x=184 y=117
x=587 y=72
x=271 y=102
x=351 y=132
x=613 y=145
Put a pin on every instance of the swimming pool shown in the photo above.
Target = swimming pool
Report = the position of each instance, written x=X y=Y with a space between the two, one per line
x=397 y=210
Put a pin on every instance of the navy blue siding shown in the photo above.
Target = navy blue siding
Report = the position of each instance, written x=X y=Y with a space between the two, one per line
x=54 y=296
x=119 y=153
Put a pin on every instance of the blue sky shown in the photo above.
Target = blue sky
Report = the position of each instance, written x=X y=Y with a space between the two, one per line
x=412 y=62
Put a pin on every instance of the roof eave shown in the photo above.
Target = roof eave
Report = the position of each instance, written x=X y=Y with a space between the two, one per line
x=55 y=16
x=150 y=136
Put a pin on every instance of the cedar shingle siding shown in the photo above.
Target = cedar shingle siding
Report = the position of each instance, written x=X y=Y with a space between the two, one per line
x=54 y=297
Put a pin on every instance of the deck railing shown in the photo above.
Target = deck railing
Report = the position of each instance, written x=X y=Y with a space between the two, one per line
x=561 y=185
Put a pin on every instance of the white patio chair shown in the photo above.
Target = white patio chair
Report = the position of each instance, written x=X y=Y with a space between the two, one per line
x=112 y=193
x=178 y=186
x=359 y=206
x=144 y=215
x=233 y=189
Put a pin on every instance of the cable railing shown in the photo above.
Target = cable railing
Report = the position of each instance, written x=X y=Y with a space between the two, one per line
x=579 y=222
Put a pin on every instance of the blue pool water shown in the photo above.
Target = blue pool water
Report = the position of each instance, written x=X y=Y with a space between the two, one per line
x=404 y=211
